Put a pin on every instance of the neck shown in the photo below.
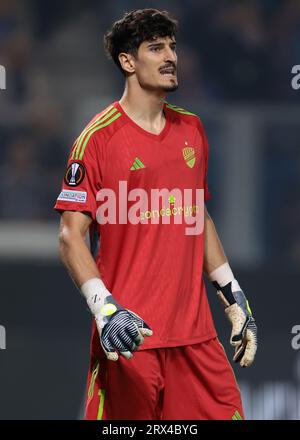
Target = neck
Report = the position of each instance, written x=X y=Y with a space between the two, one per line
x=143 y=105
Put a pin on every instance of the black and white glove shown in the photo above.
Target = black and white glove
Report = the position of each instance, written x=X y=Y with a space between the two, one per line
x=119 y=329
x=244 y=330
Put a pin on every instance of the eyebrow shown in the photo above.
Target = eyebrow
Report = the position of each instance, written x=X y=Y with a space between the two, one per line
x=160 y=43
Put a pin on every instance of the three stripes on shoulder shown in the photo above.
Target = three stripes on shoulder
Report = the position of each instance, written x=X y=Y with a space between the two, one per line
x=105 y=118
x=179 y=109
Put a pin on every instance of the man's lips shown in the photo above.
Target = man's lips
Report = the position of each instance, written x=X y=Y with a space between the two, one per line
x=168 y=71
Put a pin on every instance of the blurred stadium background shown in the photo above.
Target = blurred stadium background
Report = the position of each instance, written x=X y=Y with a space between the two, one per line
x=235 y=61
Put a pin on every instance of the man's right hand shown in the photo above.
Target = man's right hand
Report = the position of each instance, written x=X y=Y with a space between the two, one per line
x=120 y=329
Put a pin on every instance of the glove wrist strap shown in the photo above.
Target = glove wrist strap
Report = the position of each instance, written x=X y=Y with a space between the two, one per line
x=225 y=294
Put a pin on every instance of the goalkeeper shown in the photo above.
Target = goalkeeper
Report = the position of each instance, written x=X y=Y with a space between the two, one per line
x=155 y=353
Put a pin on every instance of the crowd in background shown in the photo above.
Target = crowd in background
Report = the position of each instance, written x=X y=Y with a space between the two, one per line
x=232 y=51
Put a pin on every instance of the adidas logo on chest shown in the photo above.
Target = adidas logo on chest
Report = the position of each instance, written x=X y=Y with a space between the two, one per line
x=137 y=165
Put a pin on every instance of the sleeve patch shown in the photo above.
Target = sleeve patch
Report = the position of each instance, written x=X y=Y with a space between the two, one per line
x=75 y=174
x=67 y=195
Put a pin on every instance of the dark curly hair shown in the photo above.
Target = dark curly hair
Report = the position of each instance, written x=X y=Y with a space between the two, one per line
x=127 y=34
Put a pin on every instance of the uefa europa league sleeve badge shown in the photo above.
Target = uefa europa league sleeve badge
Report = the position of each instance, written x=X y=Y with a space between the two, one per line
x=74 y=174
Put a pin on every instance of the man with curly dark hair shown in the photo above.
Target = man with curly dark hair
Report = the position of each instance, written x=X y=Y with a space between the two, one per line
x=144 y=284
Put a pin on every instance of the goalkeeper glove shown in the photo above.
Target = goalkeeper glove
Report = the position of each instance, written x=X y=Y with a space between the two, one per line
x=118 y=328
x=244 y=330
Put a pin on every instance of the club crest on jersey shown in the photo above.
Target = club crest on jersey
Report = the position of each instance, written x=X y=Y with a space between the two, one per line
x=189 y=156
x=74 y=174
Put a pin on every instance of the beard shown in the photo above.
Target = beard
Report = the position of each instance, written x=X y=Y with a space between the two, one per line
x=170 y=88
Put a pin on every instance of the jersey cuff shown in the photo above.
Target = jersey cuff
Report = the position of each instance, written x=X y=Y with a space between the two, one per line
x=69 y=207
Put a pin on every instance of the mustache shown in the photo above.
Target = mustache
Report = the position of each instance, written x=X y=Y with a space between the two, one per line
x=168 y=66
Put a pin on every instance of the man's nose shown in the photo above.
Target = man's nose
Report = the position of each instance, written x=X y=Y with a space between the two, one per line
x=170 y=55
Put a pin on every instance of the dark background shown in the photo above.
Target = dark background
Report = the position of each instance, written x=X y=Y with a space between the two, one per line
x=235 y=62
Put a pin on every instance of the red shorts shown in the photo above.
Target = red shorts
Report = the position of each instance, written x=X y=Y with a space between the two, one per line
x=190 y=382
